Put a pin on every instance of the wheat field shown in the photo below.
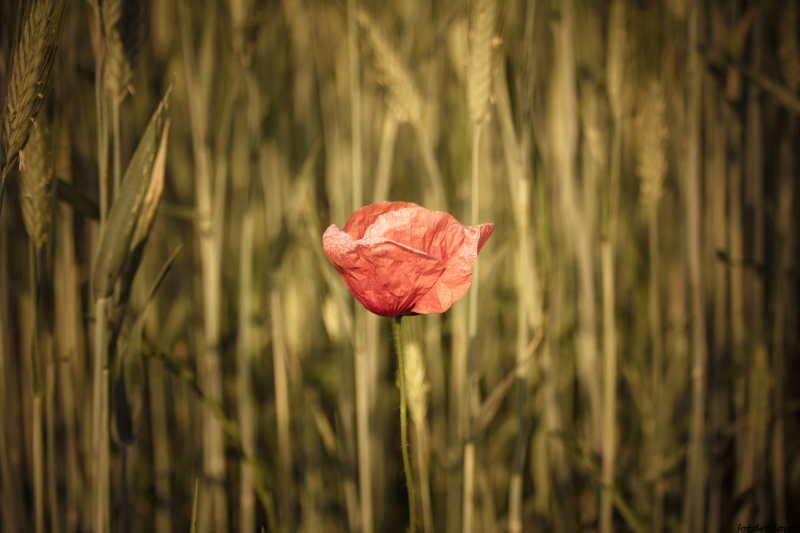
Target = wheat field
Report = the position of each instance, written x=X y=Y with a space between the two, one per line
x=178 y=354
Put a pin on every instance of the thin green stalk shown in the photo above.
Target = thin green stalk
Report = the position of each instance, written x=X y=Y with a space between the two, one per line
x=383 y=171
x=9 y=499
x=245 y=400
x=457 y=416
x=417 y=395
x=658 y=362
x=50 y=421
x=355 y=107
x=758 y=388
x=68 y=330
x=469 y=452
x=614 y=78
x=469 y=487
x=162 y=522
x=281 y=402
x=429 y=158
x=3 y=184
x=36 y=389
x=424 y=483
x=397 y=332
x=359 y=344
x=100 y=422
x=609 y=384
x=527 y=283
x=696 y=467
x=102 y=124
x=783 y=230
x=210 y=203
x=438 y=399
x=100 y=393
x=718 y=403
x=38 y=466
x=116 y=145
x=739 y=326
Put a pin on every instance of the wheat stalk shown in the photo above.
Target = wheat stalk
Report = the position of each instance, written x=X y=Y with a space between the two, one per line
x=651 y=139
x=616 y=56
x=418 y=387
x=38 y=29
x=479 y=68
x=478 y=84
x=651 y=168
x=117 y=68
x=125 y=28
x=788 y=48
x=36 y=186
x=403 y=96
x=696 y=464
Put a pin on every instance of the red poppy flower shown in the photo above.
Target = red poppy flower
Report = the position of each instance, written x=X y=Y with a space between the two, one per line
x=398 y=258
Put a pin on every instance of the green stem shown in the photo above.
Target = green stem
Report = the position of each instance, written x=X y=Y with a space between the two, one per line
x=397 y=331
x=36 y=389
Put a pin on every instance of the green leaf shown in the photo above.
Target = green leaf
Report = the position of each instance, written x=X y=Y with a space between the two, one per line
x=123 y=223
x=127 y=392
x=145 y=221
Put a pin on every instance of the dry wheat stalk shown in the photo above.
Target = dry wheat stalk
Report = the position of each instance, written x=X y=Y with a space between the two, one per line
x=479 y=67
x=31 y=64
x=616 y=56
x=788 y=49
x=417 y=388
x=36 y=185
x=651 y=137
x=417 y=393
x=403 y=96
x=124 y=25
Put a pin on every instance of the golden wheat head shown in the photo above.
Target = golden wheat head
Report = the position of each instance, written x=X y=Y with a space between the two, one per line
x=479 y=67
x=36 y=185
x=402 y=94
x=415 y=384
x=651 y=135
x=38 y=29
x=124 y=24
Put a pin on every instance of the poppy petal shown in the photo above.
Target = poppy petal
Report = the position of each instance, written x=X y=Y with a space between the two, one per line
x=363 y=218
x=387 y=277
x=457 y=276
x=435 y=233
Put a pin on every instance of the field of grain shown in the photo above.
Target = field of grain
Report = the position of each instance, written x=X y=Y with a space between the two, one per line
x=177 y=353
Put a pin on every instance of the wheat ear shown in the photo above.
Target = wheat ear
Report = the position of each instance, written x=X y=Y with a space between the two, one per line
x=651 y=135
x=38 y=28
x=402 y=94
x=479 y=68
x=36 y=185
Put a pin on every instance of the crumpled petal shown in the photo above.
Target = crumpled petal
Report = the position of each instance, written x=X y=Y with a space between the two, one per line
x=388 y=278
x=399 y=258
x=457 y=277
x=364 y=217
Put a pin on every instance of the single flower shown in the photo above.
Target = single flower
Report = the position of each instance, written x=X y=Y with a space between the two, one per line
x=398 y=258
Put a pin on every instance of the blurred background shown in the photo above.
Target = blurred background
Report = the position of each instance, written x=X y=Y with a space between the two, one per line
x=170 y=328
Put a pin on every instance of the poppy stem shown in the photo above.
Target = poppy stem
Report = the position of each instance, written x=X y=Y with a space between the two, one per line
x=397 y=331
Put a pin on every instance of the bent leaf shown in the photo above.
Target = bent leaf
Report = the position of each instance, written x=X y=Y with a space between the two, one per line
x=123 y=217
